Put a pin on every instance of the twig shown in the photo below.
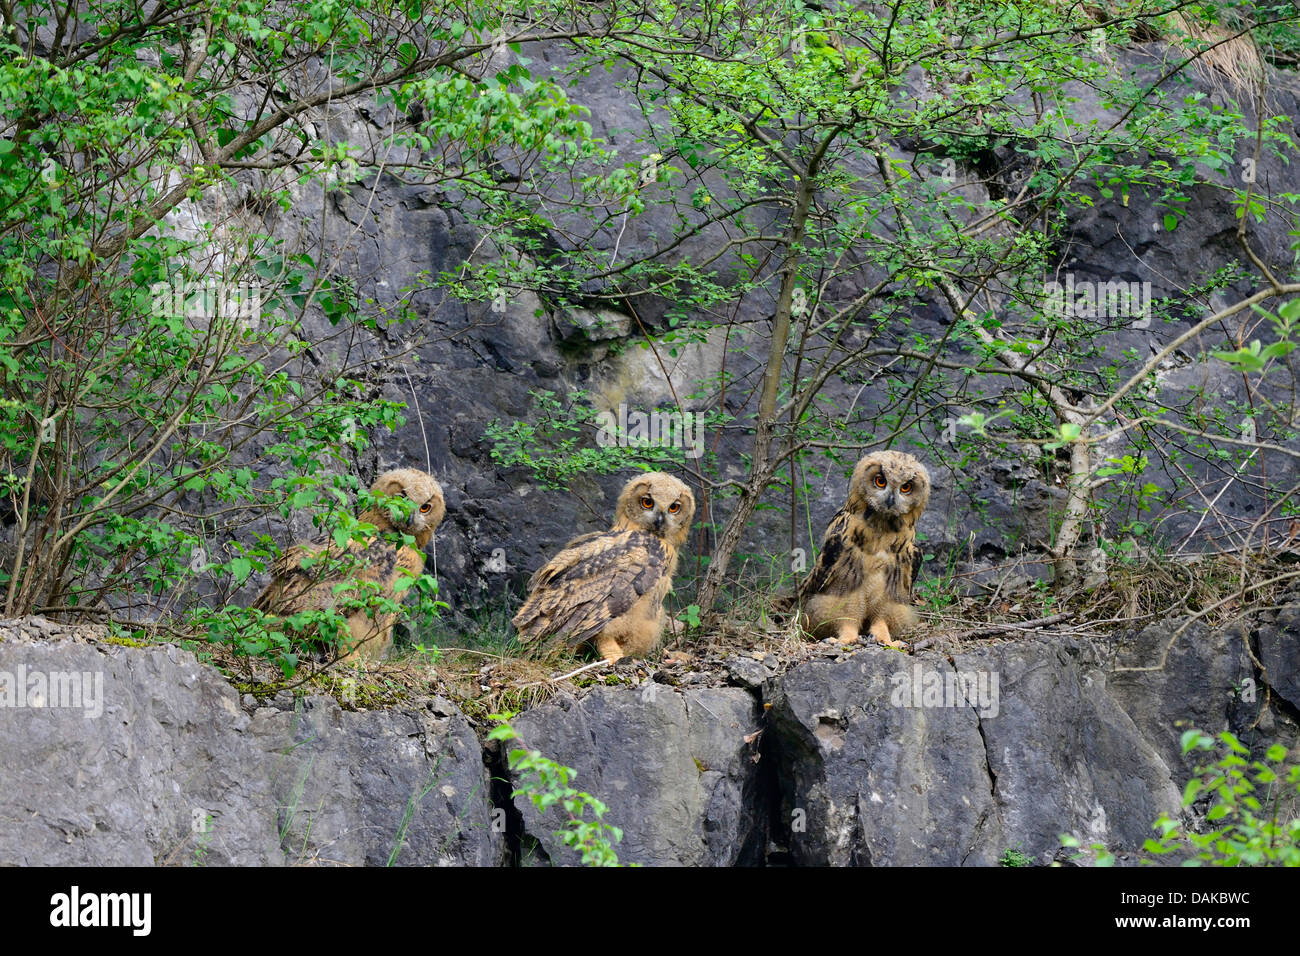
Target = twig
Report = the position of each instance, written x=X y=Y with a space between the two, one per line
x=1209 y=505
x=997 y=629
x=1164 y=657
x=585 y=667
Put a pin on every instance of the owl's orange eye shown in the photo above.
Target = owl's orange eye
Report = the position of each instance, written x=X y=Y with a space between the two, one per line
x=906 y=488
x=647 y=502
x=675 y=507
x=425 y=508
x=880 y=481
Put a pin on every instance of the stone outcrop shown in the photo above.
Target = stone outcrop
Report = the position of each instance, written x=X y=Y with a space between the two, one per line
x=158 y=761
x=865 y=757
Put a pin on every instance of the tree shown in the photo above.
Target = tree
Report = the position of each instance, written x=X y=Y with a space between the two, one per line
x=778 y=141
x=170 y=372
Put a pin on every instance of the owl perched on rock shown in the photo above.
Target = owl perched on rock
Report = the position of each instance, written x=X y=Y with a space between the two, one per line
x=304 y=576
x=862 y=581
x=608 y=588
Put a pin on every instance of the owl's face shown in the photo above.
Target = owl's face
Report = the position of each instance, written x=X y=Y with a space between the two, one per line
x=419 y=502
x=890 y=483
x=658 y=504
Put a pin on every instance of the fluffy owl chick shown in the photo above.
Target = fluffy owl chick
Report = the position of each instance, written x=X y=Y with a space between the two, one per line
x=608 y=588
x=862 y=581
x=295 y=588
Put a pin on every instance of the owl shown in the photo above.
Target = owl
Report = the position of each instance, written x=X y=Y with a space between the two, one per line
x=862 y=581
x=304 y=576
x=608 y=588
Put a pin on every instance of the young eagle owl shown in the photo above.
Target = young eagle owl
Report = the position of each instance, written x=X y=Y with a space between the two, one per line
x=296 y=588
x=862 y=581
x=608 y=587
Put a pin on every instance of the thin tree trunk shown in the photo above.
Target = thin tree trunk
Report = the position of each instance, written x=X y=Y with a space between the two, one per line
x=762 y=466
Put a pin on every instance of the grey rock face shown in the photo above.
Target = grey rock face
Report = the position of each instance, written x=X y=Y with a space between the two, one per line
x=914 y=761
x=874 y=758
x=1168 y=685
x=381 y=788
x=1205 y=678
x=159 y=763
x=1279 y=652
x=870 y=781
x=1063 y=755
x=673 y=767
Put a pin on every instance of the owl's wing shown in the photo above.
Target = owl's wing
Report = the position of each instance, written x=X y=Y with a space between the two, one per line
x=900 y=570
x=290 y=587
x=595 y=579
x=562 y=561
x=294 y=588
x=839 y=564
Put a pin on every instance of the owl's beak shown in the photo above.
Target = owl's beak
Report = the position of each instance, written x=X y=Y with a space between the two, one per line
x=890 y=501
x=659 y=521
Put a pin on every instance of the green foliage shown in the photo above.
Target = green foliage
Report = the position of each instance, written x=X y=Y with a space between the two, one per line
x=828 y=81
x=1095 y=853
x=1015 y=857
x=691 y=616
x=156 y=433
x=1247 y=812
x=175 y=384
x=1246 y=825
x=546 y=784
x=571 y=440
x=1257 y=358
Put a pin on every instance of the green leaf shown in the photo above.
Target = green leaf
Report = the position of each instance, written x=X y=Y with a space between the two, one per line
x=1230 y=739
x=241 y=568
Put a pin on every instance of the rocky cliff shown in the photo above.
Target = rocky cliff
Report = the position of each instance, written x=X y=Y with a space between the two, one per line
x=864 y=757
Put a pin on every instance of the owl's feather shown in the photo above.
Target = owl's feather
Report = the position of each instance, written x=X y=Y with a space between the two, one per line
x=862 y=579
x=607 y=588
x=308 y=577
x=594 y=580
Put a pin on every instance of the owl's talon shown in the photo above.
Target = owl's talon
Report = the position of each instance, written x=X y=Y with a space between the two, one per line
x=880 y=631
x=848 y=634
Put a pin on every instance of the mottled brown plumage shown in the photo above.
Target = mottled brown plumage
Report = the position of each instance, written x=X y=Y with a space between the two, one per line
x=381 y=559
x=608 y=588
x=862 y=581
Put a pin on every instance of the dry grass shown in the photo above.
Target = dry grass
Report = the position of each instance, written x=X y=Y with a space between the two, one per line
x=1231 y=62
x=1132 y=593
x=484 y=683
